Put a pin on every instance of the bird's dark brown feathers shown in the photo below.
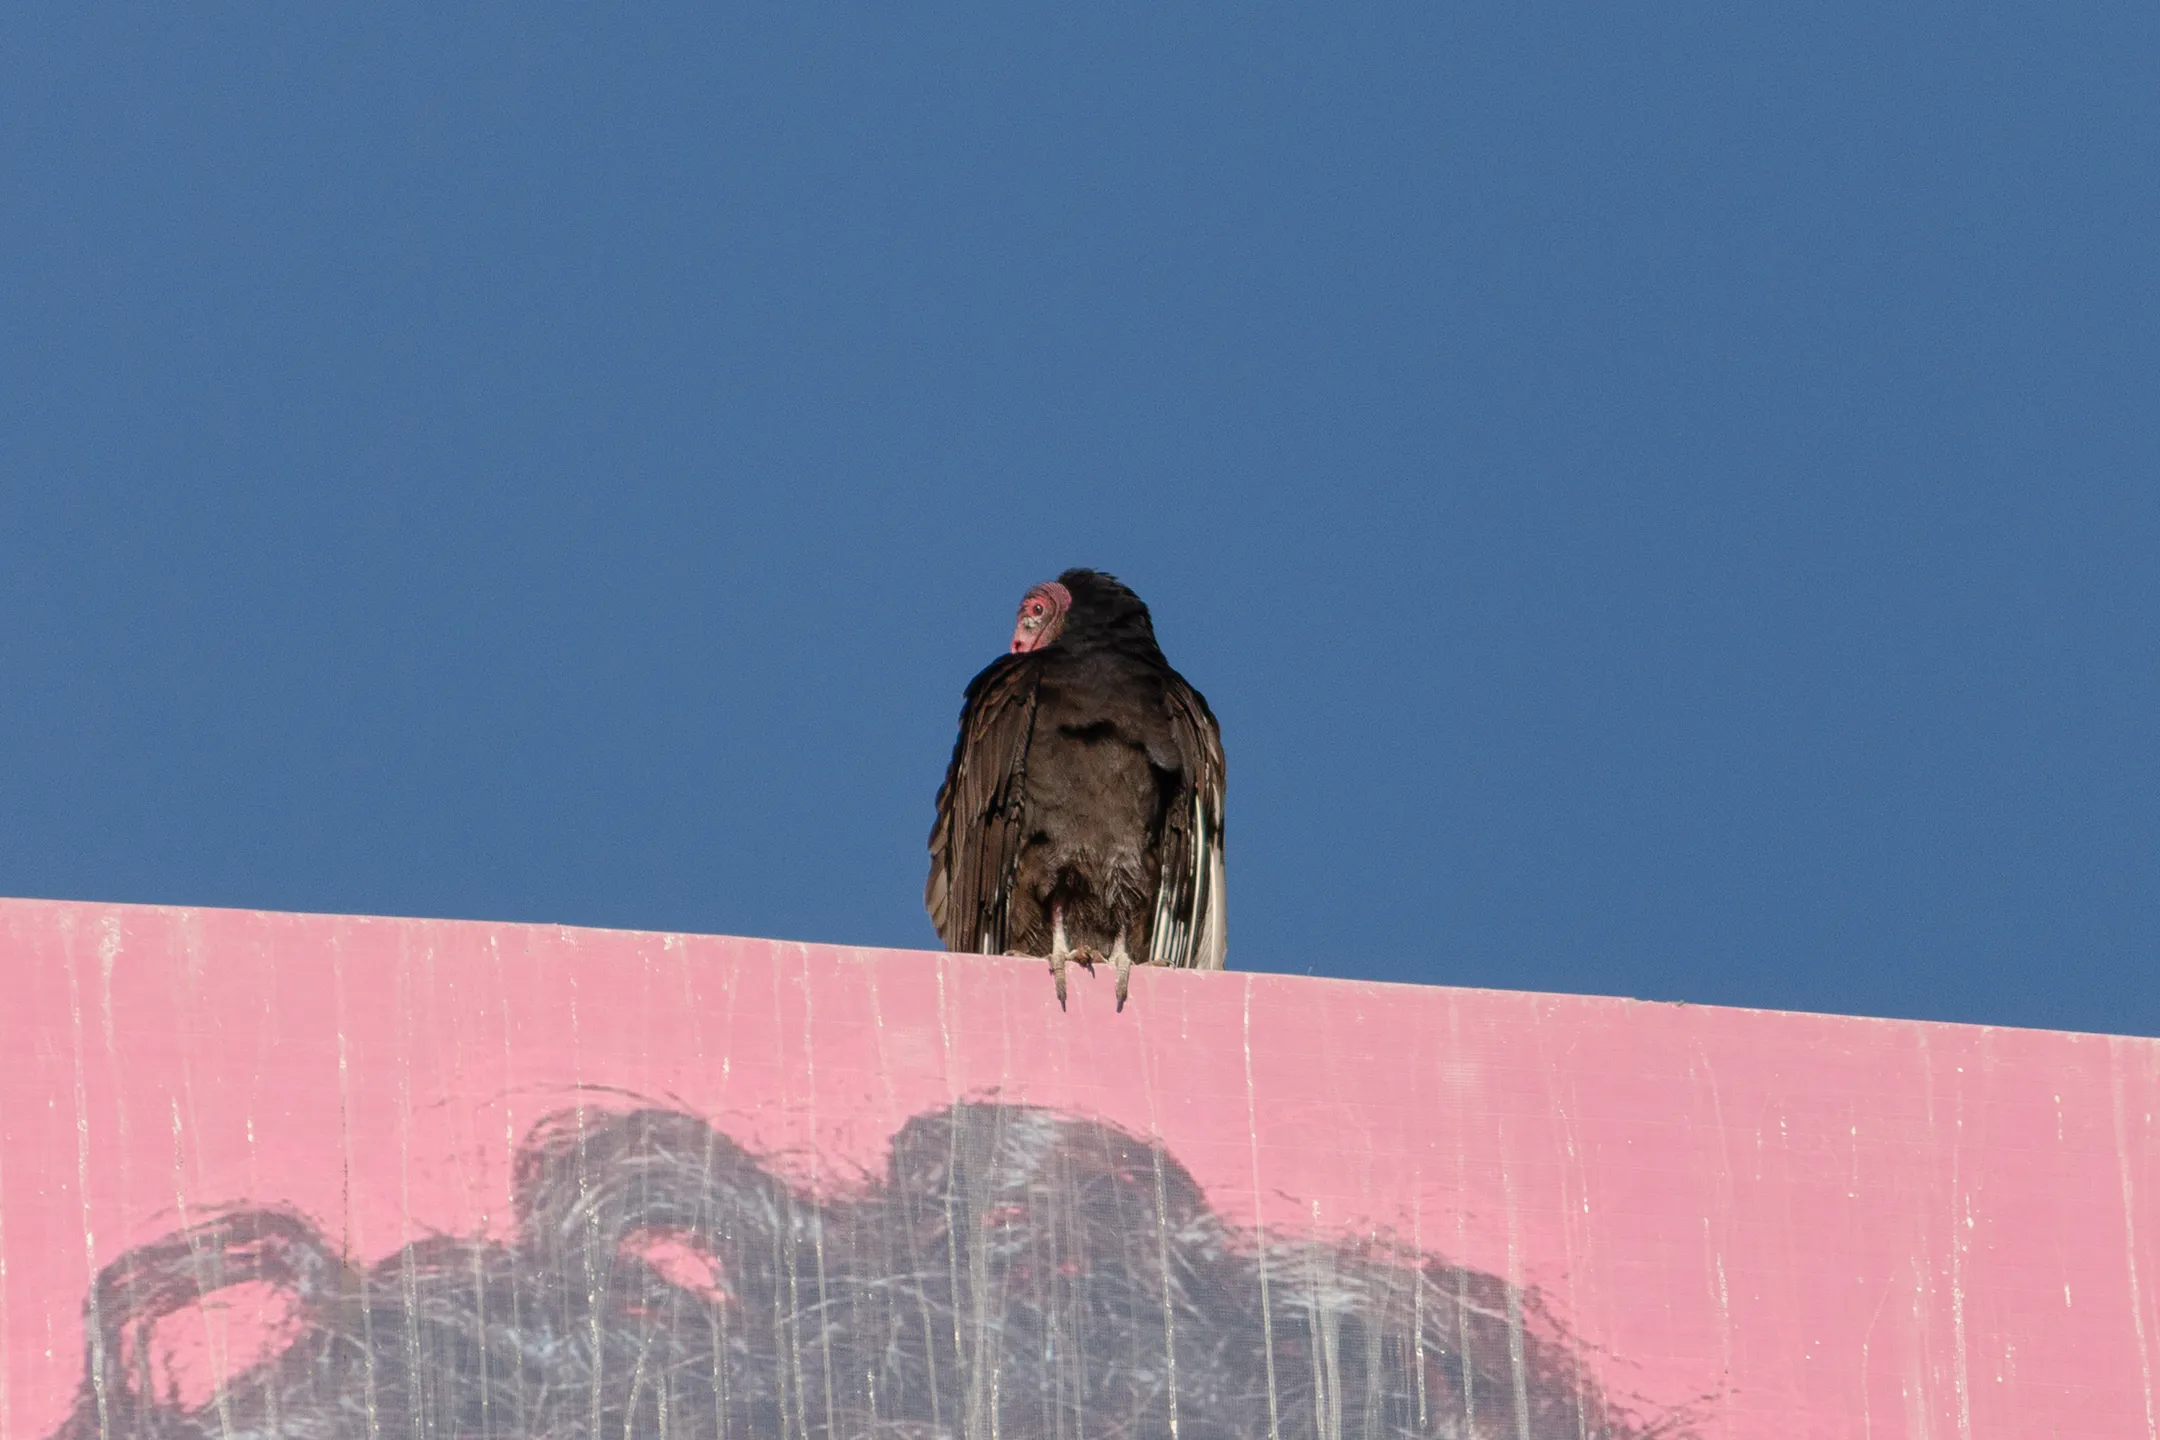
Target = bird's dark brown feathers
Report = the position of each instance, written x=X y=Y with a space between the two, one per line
x=1089 y=774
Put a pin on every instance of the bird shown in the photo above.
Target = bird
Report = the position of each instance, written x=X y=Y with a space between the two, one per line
x=1081 y=817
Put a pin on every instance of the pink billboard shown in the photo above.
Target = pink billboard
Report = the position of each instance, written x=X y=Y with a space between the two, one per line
x=266 y=1174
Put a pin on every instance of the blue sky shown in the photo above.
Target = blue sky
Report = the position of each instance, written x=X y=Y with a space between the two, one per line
x=1664 y=503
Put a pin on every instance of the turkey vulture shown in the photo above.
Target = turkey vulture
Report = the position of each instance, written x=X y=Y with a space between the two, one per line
x=1081 y=818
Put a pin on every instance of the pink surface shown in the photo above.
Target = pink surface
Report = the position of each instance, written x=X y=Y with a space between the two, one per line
x=1791 y=1225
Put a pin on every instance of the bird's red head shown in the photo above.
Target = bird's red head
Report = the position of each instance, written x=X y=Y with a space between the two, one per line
x=1042 y=616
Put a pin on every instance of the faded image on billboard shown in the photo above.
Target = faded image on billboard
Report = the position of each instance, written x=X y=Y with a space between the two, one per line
x=267 y=1175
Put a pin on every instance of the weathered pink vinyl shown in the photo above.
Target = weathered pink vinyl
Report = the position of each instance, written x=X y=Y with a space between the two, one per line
x=1793 y=1225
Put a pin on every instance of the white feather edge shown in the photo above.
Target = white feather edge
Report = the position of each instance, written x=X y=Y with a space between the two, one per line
x=1215 y=941
x=1209 y=949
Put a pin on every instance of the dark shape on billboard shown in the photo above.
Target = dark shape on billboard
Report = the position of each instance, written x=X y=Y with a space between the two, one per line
x=1015 y=1272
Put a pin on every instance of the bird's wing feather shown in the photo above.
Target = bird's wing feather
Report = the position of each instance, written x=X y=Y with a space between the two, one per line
x=975 y=843
x=1191 y=924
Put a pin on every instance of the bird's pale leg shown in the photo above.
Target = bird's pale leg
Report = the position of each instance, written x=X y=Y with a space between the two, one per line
x=1122 y=958
x=1058 y=951
x=1061 y=951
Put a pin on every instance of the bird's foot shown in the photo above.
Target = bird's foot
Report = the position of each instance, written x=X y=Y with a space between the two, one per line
x=1060 y=957
x=1122 y=959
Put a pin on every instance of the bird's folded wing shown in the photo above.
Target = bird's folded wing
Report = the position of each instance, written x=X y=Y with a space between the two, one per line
x=1191 y=924
x=975 y=843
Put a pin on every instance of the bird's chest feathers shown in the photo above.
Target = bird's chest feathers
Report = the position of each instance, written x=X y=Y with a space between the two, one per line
x=1093 y=711
x=1095 y=782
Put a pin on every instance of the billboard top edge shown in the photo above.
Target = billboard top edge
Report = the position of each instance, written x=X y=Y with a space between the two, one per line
x=183 y=913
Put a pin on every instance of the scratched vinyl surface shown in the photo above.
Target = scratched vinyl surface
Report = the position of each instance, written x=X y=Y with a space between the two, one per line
x=1739 y=1224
